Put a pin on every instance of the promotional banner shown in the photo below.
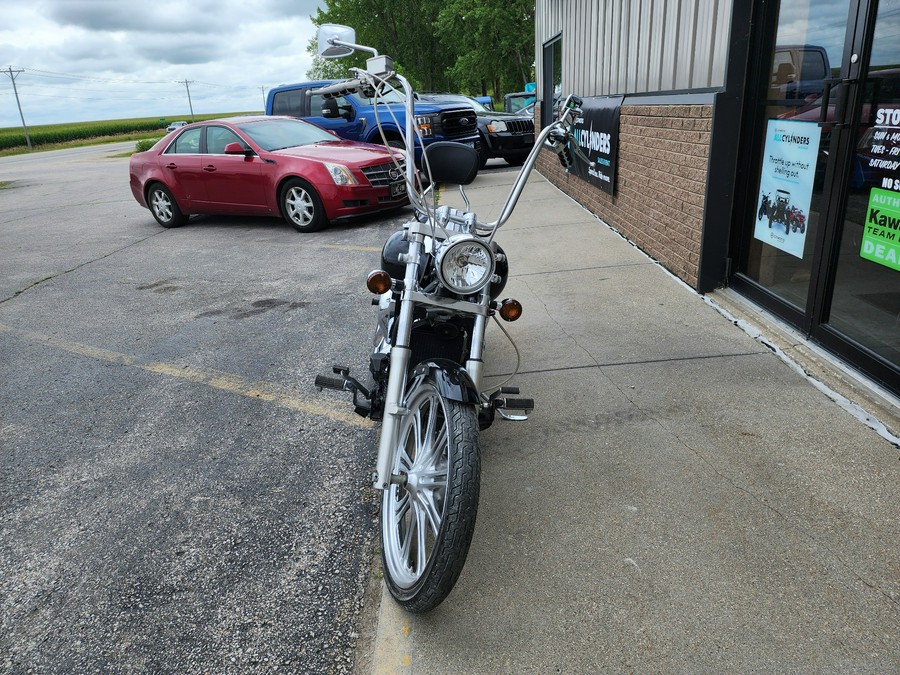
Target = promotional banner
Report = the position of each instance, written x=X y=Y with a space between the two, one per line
x=879 y=167
x=597 y=132
x=881 y=234
x=786 y=184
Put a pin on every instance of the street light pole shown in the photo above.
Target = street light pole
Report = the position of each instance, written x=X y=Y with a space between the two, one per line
x=13 y=74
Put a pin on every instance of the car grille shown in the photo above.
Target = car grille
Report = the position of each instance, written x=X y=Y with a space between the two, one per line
x=462 y=122
x=520 y=126
x=383 y=175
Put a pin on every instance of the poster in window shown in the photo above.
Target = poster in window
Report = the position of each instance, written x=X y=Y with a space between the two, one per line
x=597 y=132
x=786 y=184
x=878 y=169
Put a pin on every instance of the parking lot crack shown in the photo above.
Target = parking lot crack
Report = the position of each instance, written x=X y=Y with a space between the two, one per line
x=77 y=267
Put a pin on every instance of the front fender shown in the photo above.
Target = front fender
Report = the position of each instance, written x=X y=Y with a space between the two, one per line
x=451 y=379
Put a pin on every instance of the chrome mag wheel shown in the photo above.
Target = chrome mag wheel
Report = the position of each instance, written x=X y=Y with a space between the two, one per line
x=428 y=513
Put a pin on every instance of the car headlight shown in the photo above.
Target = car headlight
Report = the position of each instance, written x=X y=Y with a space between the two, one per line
x=465 y=264
x=426 y=124
x=497 y=125
x=340 y=174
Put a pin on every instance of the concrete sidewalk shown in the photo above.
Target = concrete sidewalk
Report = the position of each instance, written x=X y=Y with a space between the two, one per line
x=681 y=500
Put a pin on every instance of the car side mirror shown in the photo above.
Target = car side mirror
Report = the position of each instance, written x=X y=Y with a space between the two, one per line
x=330 y=109
x=235 y=148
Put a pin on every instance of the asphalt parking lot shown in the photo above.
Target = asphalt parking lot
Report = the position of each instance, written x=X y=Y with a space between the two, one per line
x=175 y=495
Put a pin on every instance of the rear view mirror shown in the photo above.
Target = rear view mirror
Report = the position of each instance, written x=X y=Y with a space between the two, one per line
x=335 y=40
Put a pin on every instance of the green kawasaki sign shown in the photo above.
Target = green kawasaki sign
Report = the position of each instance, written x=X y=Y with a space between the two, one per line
x=881 y=233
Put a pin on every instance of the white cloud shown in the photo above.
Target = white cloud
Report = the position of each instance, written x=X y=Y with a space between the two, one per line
x=111 y=59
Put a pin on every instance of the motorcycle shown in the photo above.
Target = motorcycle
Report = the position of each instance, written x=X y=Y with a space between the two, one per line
x=438 y=286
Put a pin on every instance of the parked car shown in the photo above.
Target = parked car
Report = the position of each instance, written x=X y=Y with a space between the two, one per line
x=263 y=165
x=355 y=117
x=175 y=125
x=518 y=100
x=506 y=135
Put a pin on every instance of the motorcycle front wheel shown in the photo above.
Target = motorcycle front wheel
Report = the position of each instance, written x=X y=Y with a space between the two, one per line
x=428 y=513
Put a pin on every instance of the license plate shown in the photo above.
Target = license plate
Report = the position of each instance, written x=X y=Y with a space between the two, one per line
x=398 y=189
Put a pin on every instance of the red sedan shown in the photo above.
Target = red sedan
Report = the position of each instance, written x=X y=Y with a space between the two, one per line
x=264 y=165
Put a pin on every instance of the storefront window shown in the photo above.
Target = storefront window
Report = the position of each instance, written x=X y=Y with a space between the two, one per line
x=866 y=302
x=793 y=155
x=552 y=80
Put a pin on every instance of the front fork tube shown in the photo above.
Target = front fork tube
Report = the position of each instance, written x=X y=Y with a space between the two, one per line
x=399 y=364
x=475 y=364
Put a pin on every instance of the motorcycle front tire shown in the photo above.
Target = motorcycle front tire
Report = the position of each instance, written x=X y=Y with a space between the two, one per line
x=428 y=513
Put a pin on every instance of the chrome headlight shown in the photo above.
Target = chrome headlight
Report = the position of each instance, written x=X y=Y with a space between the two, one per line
x=465 y=264
x=496 y=125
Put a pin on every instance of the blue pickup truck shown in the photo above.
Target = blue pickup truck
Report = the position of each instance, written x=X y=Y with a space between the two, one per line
x=354 y=117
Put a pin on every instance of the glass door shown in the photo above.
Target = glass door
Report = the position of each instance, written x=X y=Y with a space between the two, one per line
x=790 y=199
x=819 y=245
x=863 y=314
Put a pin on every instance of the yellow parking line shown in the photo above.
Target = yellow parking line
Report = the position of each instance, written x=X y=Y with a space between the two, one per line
x=235 y=384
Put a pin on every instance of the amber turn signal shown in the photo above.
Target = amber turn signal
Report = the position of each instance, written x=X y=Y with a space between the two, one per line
x=379 y=282
x=510 y=309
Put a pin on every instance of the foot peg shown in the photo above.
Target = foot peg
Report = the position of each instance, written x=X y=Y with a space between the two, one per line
x=502 y=404
x=347 y=383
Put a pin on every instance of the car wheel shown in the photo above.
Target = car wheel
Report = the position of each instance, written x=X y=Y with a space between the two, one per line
x=164 y=207
x=301 y=206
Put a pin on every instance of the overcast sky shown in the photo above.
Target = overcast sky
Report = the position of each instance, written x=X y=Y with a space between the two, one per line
x=109 y=59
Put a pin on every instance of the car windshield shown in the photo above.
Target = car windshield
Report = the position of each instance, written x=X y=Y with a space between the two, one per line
x=277 y=134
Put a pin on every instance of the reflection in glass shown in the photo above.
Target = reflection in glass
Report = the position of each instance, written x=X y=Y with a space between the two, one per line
x=866 y=302
x=807 y=52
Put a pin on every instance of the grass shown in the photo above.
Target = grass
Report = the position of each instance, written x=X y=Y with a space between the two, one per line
x=76 y=134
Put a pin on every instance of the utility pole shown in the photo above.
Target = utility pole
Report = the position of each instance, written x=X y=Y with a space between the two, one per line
x=263 y=90
x=13 y=74
x=191 y=105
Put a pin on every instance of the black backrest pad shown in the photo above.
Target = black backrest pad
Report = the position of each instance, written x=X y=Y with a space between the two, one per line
x=452 y=162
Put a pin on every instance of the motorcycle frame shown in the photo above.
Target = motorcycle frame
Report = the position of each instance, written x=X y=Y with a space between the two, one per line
x=411 y=296
x=556 y=137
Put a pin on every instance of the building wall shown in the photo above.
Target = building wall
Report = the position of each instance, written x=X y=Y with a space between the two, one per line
x=635 y=46
x=660 y=183
x=658 y=53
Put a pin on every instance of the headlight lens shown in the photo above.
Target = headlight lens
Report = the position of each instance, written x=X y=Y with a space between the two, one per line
x=340 y=174
x=497 y=125
x=465 y=264
x=426 y=124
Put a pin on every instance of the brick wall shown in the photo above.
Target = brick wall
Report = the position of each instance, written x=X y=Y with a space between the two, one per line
x=660 y=183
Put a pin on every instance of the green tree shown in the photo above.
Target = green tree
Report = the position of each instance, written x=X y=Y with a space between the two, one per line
x=499 y=43
x=440 y=45
x=403 y=29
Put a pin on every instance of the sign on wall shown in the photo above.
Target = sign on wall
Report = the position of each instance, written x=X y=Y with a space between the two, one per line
x=786 y=184
x=597 y=132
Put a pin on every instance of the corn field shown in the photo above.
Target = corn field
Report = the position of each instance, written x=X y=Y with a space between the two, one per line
x=48 y=134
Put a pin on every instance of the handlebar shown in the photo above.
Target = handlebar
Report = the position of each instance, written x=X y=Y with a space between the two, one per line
x=337 y=89
x=557 y=137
